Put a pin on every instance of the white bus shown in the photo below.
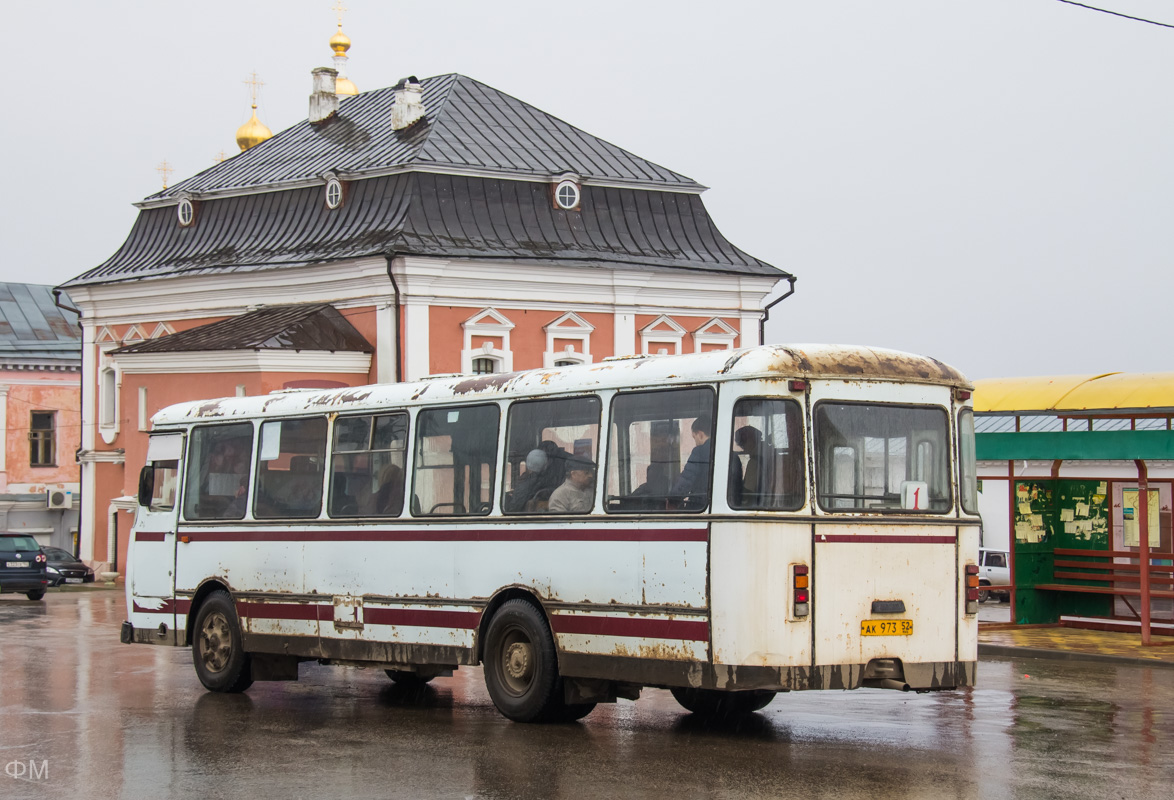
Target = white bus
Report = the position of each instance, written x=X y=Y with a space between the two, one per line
x=727 y=525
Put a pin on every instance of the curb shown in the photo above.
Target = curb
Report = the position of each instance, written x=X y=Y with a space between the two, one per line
x=1069 y=655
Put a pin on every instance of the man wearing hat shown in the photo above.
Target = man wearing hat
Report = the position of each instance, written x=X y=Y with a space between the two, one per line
x=576 y=495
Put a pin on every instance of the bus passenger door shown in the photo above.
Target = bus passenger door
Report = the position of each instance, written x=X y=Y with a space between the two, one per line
x=151 y=560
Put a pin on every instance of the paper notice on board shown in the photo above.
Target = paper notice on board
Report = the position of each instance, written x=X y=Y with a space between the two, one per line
x=1037 y=520
x=1103 y=487
x=1022 y=493
x=1070 y=527
x=1023 y=532
x=1082 y=509
x=1131 y=521
x=1099 y=499
x=1025 y=509
x=1066 y=515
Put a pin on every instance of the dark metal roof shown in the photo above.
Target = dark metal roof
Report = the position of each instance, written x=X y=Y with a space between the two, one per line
x=33 y=330
x=311 y=326
x=469 y=127
x=428 y=214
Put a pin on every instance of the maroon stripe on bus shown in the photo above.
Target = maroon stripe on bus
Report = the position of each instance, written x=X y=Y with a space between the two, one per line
x=421 y=617
x=169 y=607
x=570 y=535
x=153 y=536
x=302 y=611
x=820 y=538
x=686 y=630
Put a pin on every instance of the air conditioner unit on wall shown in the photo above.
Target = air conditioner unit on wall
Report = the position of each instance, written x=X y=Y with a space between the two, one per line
x=58 y=498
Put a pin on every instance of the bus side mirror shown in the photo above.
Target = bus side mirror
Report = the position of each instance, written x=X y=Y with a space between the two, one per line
x=146 y=485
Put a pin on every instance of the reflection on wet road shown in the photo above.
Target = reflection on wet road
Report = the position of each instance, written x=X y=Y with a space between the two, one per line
x=133 y=721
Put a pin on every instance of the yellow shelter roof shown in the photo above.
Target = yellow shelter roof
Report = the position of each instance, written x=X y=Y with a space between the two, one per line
x=1112 y=391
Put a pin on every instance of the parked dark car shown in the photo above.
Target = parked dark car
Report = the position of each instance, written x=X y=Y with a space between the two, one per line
x=22 y=565
x=65 y=567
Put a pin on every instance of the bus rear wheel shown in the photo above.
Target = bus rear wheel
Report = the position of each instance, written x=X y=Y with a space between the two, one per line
x=217 y=647
x=724 y=705
x=521 y=669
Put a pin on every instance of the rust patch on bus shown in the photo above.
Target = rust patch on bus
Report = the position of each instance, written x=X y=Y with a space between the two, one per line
x=865 y=363
x=339 y=399
x=483 y=382
x=211 y=409
x=665 y=652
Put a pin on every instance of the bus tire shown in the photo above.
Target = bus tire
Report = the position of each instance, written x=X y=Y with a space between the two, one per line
x=723 y=705
x=217 y=647
x=407 y=679
x=521 y=668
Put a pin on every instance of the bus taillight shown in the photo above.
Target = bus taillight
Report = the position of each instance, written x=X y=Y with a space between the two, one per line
x=972 y=588
x=802 y=599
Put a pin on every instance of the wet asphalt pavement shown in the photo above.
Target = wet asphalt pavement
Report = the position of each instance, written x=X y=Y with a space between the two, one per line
x=83 y=715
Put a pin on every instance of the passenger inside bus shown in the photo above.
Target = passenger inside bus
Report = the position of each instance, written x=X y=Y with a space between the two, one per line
x=691 y=488
x=545 y=470
x=576 y=495
x=748 y=490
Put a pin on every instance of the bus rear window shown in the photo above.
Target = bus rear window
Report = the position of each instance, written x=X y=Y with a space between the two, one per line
x=882 y=457
x=456 y=449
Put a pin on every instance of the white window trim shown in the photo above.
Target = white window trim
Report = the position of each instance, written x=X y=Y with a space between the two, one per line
x=108 y=430
x=569 y=326
x=487 y=322
x=724 y=335
x=651 y=339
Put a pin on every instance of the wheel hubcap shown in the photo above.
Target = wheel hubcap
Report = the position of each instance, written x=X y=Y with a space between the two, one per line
x=517 y=663
x=215 y=642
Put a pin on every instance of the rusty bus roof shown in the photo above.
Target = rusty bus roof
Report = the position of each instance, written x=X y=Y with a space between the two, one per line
x=809 y=361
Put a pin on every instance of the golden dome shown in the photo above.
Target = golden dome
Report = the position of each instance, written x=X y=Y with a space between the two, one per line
x=340 y=42
x=252 y=133
x=344 y=87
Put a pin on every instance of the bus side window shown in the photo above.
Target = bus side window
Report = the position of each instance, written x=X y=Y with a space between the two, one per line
x=218 y=472
x=768 y=441
x=551 y=452
x=456 y=452
x=660 y=453
x=290 y=467
x=163 y=487
x=367 y=466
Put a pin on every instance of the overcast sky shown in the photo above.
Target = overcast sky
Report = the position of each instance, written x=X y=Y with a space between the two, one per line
x=984 y=181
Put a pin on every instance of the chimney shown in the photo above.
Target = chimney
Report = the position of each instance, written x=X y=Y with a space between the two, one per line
x=323 y=101
x=408 y=107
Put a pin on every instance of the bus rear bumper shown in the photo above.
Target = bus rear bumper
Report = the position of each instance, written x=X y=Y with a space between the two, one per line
x=923 y=677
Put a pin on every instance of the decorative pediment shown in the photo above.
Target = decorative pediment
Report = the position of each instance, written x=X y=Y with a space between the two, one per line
x=135 y=334
x=162 y=329
x=715 y=328
x=105 y=335
x=663 y=325
x=488 y=319
x=569 y=322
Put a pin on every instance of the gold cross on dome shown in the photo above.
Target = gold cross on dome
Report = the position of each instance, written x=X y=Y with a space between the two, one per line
x=254 y=83
x=220 y=157
x=165 y=170
x=339 y=9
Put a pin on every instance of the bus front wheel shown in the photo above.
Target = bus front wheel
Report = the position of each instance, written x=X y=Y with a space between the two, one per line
x=712 y=703
x=521 y=669
x=217 y=648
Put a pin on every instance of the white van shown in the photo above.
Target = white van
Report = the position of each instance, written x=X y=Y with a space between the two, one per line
x=994 y=569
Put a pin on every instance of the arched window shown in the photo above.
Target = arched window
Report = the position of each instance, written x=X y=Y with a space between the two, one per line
x=484 y=366
x=108 y=398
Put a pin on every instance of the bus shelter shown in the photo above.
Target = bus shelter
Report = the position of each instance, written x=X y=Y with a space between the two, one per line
x=1076 y=475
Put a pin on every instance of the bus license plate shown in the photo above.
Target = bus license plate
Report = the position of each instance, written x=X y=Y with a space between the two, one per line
x=886 y=627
